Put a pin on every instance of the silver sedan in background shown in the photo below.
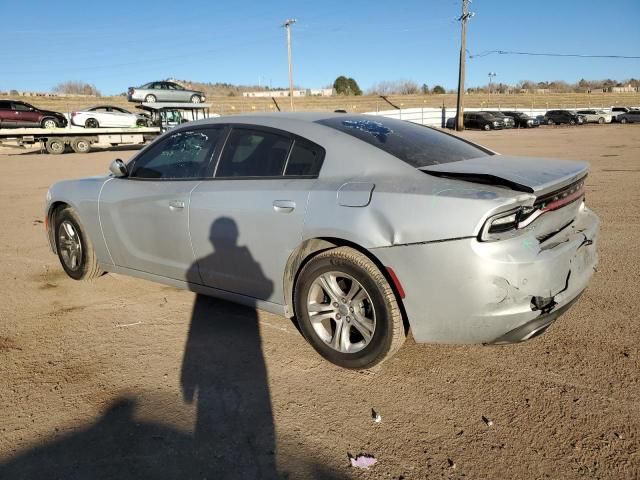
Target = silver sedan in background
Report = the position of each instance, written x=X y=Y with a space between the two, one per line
x=359 y=227
x=164 y=92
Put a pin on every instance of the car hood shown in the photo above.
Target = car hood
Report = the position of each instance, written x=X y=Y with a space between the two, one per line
x=51 y=112
x=525 y=174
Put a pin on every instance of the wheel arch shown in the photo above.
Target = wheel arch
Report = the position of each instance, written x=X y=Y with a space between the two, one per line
x=52 y=210
x=312 y=247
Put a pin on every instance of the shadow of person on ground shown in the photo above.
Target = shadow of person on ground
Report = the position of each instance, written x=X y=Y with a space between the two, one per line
x=223 y=373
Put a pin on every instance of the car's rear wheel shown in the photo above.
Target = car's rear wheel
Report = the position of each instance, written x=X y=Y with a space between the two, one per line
x=347 y=310
x=196 y=99
x=487 y=127
x=91 y=123
x=150 y=98
x=74 y=248
x=549 y=122
x=49 y=123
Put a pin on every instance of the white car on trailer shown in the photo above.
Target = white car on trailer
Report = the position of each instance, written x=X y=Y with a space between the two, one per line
x=107 y=116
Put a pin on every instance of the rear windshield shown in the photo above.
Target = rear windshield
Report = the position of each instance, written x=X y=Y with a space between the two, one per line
x=417 y=145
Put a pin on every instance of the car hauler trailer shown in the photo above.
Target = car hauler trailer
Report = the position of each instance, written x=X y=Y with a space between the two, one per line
x=78 y=138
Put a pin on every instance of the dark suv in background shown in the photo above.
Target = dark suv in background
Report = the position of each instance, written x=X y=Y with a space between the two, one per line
x=553 y=117
x=482 y=120
x=16 y=114
x=522 y=120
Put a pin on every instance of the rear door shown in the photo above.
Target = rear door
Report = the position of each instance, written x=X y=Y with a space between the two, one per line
x=145 y=215
x=7 y=115
x=247 y=220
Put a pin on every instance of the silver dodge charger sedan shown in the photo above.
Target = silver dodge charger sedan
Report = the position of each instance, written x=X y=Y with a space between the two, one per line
x=360 y=228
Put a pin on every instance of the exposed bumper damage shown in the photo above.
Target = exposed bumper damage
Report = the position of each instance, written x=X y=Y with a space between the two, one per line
x=466 y=291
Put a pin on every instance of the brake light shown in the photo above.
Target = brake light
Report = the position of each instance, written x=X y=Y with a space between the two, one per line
x=73 y=114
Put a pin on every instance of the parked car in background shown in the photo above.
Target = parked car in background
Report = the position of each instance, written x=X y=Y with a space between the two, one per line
x=632 y=116
x=351 y=249
x=558 y=117
x=509 y=121
x=617 y=111
x=521 y=119
x=164 y=92
x=595 y=116
x=107 y=116
x=482 y=121
x=17 y=114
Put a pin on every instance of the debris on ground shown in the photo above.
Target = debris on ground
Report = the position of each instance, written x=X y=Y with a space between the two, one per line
x=451 y=463
x=362 y=460
x=487 y=421
x=375 y=416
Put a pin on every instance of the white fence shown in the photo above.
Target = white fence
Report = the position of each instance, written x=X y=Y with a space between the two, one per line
x=436 y=117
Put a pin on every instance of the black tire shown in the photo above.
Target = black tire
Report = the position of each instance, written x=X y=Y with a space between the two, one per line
x=55 y=146
x=487 y=127
x=388 y=329
x=49 y=123
x=81 y=145
x=572 y=122
x=549 y=122
x=601 y=120
x=196 y=99
x=141 y=122
x=150 y=99
x=623 y=120
x=91 y=123
x=86 y=265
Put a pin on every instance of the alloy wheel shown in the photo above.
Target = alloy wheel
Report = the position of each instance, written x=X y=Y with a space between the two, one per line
x=341 y=312
x=70 y=245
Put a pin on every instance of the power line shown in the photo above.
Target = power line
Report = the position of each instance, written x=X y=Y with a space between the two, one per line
x=540 y=54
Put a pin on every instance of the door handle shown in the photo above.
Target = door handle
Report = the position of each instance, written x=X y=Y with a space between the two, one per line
x=284 y=206
x=176 y=205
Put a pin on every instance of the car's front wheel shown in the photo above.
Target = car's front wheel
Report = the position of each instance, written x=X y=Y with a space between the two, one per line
x=549 y=122
x=347 y=310
x=623 y=120
x=601 y=120
x=487 y=127
x=91 y=123
x=74 y=247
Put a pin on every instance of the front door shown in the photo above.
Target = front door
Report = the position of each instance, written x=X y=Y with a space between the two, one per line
x=145 y=216
x=248 y=219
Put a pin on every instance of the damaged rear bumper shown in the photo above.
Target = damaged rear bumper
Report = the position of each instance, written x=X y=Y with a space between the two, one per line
x=466 y=291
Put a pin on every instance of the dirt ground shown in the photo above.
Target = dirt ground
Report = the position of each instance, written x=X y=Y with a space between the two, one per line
x=124 y=378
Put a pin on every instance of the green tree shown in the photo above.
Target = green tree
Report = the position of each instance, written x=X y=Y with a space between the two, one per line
x=346 y=86
x=438 y=89
x=425 y=89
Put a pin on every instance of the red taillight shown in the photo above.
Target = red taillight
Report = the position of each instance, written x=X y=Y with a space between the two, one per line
x=73 y=114
x=396 y=282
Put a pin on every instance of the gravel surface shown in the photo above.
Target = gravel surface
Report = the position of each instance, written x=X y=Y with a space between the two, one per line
x=124 y=378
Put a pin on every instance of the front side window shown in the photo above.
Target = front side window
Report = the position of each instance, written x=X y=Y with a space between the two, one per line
x=417 y=145
x=21 y=107
x=182 y=155
x=253 y=153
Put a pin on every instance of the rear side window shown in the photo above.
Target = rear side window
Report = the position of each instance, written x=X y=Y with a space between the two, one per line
x=253 y=153
x=305 y=159
x=417 y=145
x=5 y=105
x=183 y=155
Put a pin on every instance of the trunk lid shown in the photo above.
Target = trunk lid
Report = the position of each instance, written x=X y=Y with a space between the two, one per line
x=558 y=187
x=539 y=176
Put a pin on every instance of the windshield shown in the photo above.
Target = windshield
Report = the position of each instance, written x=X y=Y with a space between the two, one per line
x=417 y=145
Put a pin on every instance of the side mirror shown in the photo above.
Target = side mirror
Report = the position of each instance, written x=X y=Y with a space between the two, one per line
x=118 y=168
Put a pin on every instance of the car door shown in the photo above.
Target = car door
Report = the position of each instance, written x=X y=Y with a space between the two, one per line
x=145 y=216
x=26 y=115
x=247 y=220
x=101 y=114
x=7 y=115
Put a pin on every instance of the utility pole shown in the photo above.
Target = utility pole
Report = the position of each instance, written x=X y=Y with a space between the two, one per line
x=287 y=25
x=466 y=15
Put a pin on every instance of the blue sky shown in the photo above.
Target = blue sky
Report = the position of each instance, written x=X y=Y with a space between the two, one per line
x=116 y=44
